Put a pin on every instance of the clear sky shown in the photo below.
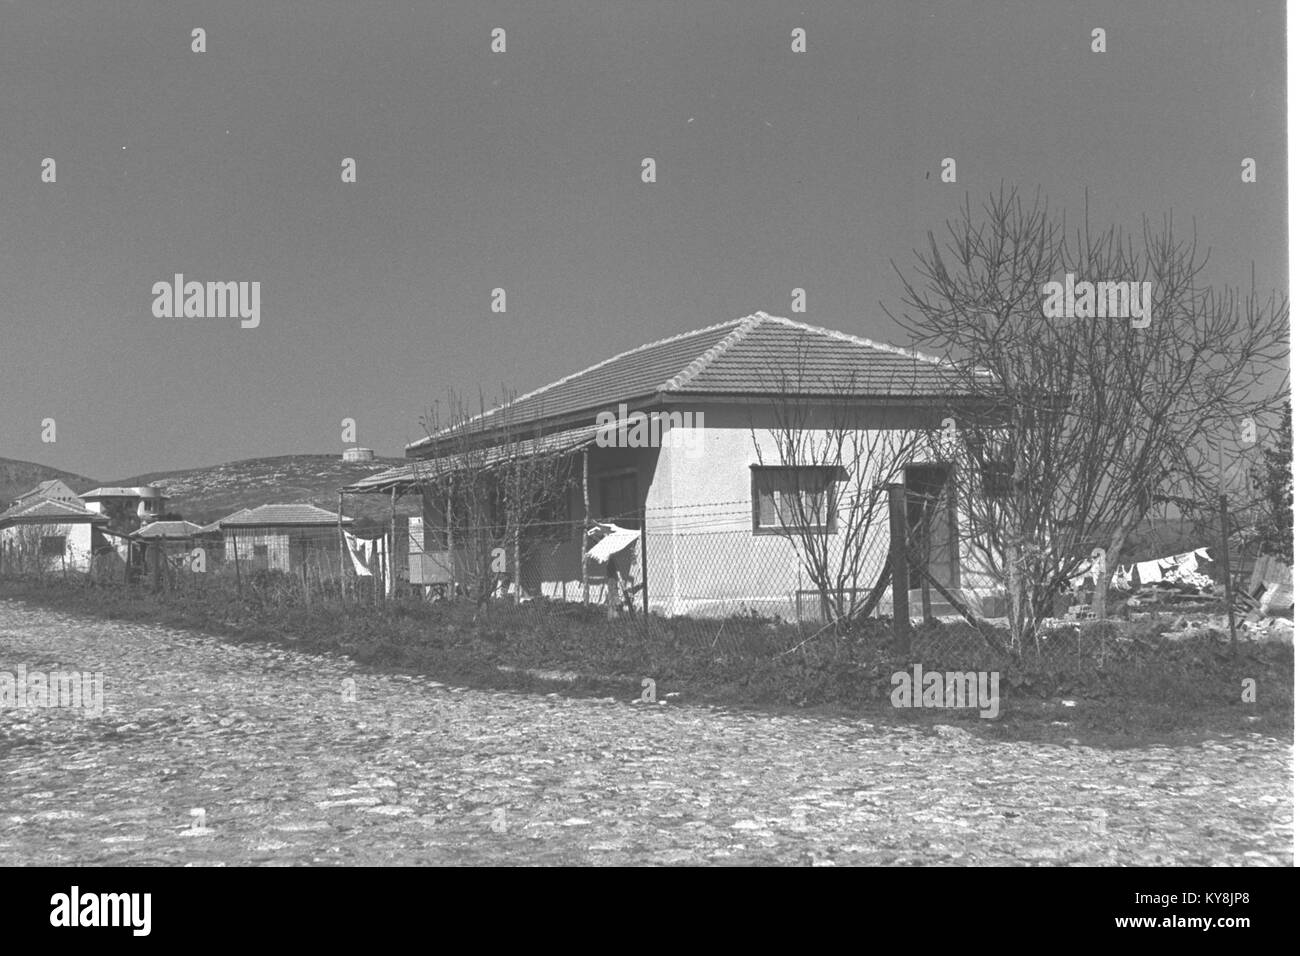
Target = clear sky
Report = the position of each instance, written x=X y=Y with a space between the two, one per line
x=522 y=170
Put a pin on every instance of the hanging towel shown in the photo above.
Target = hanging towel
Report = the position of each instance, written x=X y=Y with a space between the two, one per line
x=355 y=550
x=613 y=542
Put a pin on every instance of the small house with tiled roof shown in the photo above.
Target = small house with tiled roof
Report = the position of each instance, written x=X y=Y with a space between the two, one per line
x=44 y=534
x=707 y=501
x=52 y=490
x=173 y=537
x=282 y=537
x=168 y=531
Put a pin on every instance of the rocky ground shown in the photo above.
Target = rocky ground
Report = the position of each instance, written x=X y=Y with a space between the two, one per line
x=213 y=753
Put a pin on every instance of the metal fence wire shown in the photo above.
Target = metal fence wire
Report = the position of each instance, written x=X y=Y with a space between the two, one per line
x=697 y=567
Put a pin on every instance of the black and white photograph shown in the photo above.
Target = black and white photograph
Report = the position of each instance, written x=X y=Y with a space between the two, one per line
x=612 y=434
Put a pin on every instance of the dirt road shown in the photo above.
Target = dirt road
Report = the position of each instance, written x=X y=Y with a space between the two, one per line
x=214 y=753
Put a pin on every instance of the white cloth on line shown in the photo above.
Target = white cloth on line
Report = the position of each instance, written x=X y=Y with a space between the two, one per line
x=1149 y=572
x=355 y=549
x=613 y=542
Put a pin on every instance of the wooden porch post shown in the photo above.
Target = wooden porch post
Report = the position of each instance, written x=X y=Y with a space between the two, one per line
x=925 y=557
x=898 y=565
x=451 y=585
x=390 y=567
x=586 y=522
x=343 y=594
x=515 y=519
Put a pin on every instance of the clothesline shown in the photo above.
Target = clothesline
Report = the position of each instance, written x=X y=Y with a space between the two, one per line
x=1149 y=572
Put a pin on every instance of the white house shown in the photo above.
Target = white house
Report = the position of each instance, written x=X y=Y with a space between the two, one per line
x=144 y=503
x=43 y=534
x=710 y=490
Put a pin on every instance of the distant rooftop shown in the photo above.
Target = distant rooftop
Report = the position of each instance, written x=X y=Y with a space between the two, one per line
x=215 y=526
x=168 y=529
x=47 y=510
x=142 y=491
x=53 y=488
x=291 y=515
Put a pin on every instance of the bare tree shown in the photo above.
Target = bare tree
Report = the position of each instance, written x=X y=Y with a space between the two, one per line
x=835 y=452
x=1084 y=426
x=29 y=548
x=498 y=489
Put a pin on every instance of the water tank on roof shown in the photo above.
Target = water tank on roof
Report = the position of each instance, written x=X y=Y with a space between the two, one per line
x=359 y=454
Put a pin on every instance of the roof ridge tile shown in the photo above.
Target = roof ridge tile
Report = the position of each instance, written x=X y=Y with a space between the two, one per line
x=860 y=340
x=591 y=368
x=704 y=360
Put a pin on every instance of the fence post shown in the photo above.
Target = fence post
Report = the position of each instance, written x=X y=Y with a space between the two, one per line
x=582 y=532
x=1227 y=570
x=898 y=565
x=645 y=564
x=390 y=567
x=343 y=594
x=924 y=559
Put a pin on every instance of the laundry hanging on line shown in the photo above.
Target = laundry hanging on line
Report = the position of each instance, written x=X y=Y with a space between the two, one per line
x=362 y=550
x=614 y=541
x=356 y=551
x=1149 y=572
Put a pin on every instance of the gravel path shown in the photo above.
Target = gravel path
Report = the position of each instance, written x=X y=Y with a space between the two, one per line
x=213 y=753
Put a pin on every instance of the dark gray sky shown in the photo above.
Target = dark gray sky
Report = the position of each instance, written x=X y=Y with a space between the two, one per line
x=522 y=170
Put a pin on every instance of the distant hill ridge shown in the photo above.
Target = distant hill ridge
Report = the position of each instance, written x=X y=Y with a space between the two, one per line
x=205 y=494
x=18 y=477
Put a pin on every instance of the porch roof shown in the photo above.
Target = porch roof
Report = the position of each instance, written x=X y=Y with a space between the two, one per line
x=298 y=515
x=413 y=473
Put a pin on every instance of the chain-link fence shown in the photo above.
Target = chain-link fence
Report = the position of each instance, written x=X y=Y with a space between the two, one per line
x=705 y=563
x=708 y=574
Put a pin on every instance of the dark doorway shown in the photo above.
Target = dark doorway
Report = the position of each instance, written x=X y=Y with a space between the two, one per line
x=618 y=501
x=932 y=522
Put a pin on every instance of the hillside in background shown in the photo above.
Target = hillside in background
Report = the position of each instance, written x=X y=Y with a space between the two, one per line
x=19 y=477
x=205 y=494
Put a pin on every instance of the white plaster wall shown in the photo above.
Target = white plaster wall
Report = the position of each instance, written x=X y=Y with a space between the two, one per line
x=703 y=557
x=78 y=544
